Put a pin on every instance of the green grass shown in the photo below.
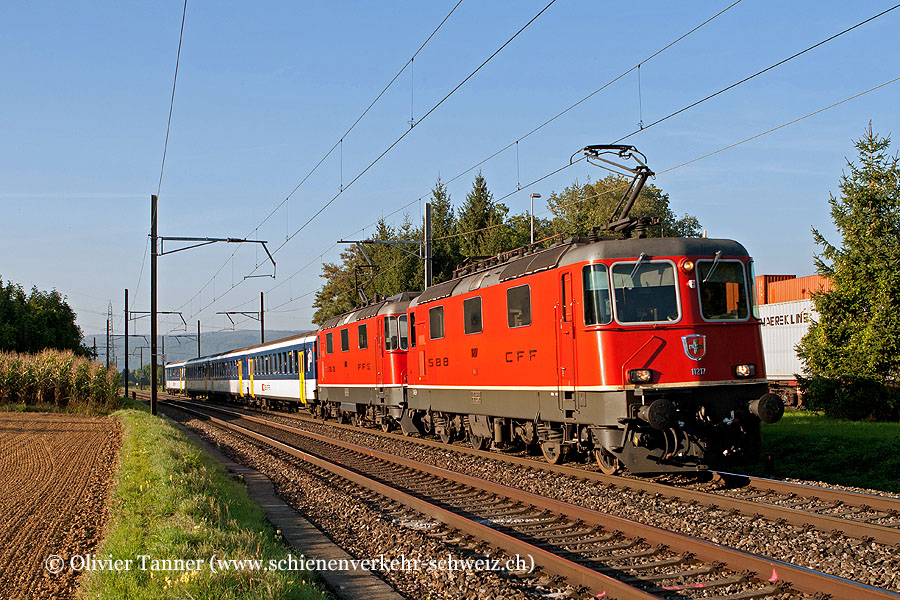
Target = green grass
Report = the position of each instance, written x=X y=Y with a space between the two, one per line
x=807 y=445
x=171 y=500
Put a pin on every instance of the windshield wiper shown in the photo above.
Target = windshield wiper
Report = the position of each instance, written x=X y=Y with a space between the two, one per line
x=636 y=265
x=713 y=267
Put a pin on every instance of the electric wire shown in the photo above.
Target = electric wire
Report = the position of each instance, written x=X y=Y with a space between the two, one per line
x=748 y=78
x=338 y=143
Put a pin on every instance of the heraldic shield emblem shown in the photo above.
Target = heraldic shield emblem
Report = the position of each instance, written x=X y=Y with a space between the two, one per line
x=694 y=346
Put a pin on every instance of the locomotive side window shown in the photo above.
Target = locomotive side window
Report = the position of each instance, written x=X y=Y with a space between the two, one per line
x=518 y=306
x=723 y=290
x=472 y=315
x=645 y=292
x=436 y=322
x=597 y=304
x=412 y=330
x=329 y=343
x=363 y=335
x=345 y=339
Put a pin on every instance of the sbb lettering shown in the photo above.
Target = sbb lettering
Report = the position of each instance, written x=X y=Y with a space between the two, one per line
x=440 y=361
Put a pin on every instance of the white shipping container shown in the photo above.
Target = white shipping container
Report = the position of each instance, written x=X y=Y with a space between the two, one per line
x=783 y=326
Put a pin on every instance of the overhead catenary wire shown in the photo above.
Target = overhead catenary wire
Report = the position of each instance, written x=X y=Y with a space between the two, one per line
x=339 y=142
x=758 y=73
x=344 y=188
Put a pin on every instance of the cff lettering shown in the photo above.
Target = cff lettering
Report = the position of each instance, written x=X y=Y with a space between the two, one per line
x=520 y=355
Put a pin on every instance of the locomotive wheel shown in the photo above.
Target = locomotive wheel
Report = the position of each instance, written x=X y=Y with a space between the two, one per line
x=552 y=451
x=446 y=435
x=478 y=442
x=609 y=464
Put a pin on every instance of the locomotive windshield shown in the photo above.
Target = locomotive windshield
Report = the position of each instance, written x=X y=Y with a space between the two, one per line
x=597 y=306
x=723 y=290
x=645 y=292
x=396 y=335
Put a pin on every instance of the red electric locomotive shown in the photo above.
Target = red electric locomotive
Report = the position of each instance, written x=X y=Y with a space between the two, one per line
x=362 y=363
x=644 y=351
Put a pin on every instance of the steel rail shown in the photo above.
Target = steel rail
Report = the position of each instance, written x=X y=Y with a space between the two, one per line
x=600 y=584
x=766 y=569
x=795 y=516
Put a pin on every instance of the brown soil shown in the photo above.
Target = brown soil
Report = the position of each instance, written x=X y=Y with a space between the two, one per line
x=55 y=477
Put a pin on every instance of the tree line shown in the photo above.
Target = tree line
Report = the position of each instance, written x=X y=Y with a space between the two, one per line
x=38 y=320
x=479 y=227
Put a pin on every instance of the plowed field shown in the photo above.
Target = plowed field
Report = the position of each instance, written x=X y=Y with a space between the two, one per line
x=55 y=475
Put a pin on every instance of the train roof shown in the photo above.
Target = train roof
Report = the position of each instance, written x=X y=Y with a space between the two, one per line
x=394 y=304
x=245 y=349
x=520 y=262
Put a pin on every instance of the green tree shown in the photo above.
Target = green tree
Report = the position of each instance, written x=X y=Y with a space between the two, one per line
x=481 y=222
x=581 y=207
x=852 y=353
x=37 y=321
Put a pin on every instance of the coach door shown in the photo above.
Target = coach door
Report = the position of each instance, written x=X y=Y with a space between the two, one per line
x=379 y=351
x=565 y=342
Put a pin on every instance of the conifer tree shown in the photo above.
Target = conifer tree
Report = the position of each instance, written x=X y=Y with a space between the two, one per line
x=853 y=351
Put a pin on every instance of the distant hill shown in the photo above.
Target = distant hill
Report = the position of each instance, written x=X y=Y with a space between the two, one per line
x=179 y=348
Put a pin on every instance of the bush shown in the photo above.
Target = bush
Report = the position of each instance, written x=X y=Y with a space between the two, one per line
x=851 y=398
x=58 y=378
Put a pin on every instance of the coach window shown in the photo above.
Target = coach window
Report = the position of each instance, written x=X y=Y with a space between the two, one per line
x=436 y=322
x=518 y=306
x=363 y=336
x=645 y=292
x=329 y=343
x=412 y=330
x=404 y=333
x=723 y=290
x=472 y=315
x=345 y=339
x=597 y=306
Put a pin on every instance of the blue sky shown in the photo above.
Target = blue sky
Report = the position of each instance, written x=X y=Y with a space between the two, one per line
x=265 y=89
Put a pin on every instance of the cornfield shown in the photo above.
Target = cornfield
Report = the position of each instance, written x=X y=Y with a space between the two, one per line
x=59 y=379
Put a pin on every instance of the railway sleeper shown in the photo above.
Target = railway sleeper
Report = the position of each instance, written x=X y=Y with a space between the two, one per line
x=763 y=592
x=685 y=574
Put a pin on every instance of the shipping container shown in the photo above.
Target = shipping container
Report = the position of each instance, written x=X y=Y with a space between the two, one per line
x=762 y=286
x=798 y=288
x=783 y=326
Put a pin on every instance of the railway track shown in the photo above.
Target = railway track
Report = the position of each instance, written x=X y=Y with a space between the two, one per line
x=607 y=554
x=861 y=516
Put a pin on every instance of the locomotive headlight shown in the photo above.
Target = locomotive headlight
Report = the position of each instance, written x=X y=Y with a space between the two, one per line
x=687 y=265
x=639 y=376
x=745 y=370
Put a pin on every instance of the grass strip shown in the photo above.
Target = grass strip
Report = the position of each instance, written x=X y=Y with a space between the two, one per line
x=808 y=445
x=171 y=500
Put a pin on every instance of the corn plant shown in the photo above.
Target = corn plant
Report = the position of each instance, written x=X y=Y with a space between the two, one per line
x=58 y=378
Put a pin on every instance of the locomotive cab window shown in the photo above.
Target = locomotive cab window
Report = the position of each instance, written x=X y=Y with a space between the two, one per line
x=645 y=292
x=329 y=343
x=396 y=336
x=723 y=290
x=472 y=315
x=436 y=322
x=518 y=306
x=363 y=335
x=345 y=339
x=597 y=302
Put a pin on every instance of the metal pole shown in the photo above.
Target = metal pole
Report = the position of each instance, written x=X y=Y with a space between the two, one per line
x=126 y=342
x=262 y=319
x=198 y=338
x=153 y=258
x=533 y=196
x=428 y=265
x=107 y=344
x=141 y=370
